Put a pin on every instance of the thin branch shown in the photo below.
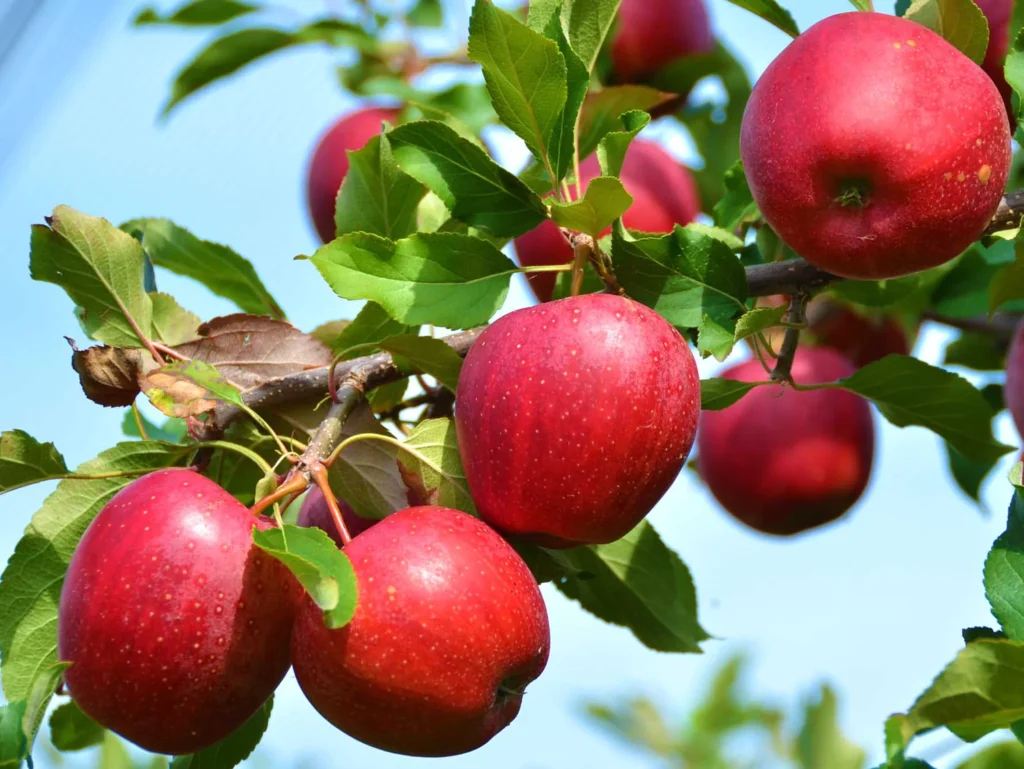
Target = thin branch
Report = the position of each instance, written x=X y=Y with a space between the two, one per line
x=797 y=319
x=787 y=277
x=1002 y=325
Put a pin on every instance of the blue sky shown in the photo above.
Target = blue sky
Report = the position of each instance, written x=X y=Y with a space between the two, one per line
x=873 y=604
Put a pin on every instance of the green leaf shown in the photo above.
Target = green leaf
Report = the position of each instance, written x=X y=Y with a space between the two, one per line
x=428 y=356
x=437 y=465
x=960 y=22
x=685 y=275
x=234 y=50
x=172 y=323
x=772 y=12
x=71 y=729
x=377 y=197
x=981 y=352
x=759 y=319
x=880 y=293
x=31 y=583
x=426 y=13
x=467 y=103
x=371 y=325
x=233 y=749
x=1014 y=67
x=1004 y=572
x=737 y=205
x=472 y=186
x=717 y=393
x=197 y=13
x=24 y=460
x=586 y=24
x=1007 y=284
x=969 y=474
x=902 y=6
x=1003 y=755
x=962 y=290
x=641 y=584
x=715 y=337
x=862 y=5
x=525 y=74
x=908 y=391
x=821 y=742
x=604 y=201
x=13 y=743
x=978 y=692
x=185 y=388
x=611 y=151
x=318 y=565
x=215 y=266
x=450 y=280
x=602 y=110
x=171 y=431
x=100 y=268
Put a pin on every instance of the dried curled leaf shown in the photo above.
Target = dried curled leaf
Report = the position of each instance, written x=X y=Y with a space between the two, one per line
x=110 y=375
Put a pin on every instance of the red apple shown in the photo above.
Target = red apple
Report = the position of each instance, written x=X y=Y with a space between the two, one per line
x=574 y=417
x=176 y=626
x=783 y=461
x=874 y=148
x=449 y=629
x=861 y=339
x=1014 y=391
x=329 y=164
x=650 y=34
x=999 y=14
x=315 y=513
x=664 y=195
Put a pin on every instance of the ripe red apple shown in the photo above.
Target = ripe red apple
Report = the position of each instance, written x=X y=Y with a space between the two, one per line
x=176 y=626
x=649 y=34
x=999 y=14
x=329 y=164
x=449 y=629
x=574 y=417
x=1014 y=391
x=860 y=162
x=783 y=461
x=315 y=513
x=664 y=195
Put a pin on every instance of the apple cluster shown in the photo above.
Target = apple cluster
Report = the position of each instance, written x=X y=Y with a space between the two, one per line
x=573 y=417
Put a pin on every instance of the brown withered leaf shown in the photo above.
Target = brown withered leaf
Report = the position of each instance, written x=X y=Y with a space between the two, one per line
x=110 y=375
x=188 y=388
x=251 y=349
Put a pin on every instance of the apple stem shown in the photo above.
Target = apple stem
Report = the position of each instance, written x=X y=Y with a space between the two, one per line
x=320 y=478
x=297 y=482
x=583 y=251
x=797 y=319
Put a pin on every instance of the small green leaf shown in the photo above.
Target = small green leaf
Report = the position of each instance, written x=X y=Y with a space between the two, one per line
x=71 y=729
x=641 y=584
x=473 y=187
x=371 y=325
x=215 y=266
x=188 y=388
x=880 y=293
x=909 y=391
x=450 y=280
x=717 y=393
x=978 y=692
x=318 y=565
x=821 y=742
x=611 y=151
x=969 y=474
x=1007 y=284
x=24 y=460
x=100 y=268
x=426 y=13
x=1004 y=572
x=772 y=12
x=759 y=319
x=377 y=197
x=437 y=465
x=737 y=206
x=233 y=749
x=172 y=323
x=715 y=337
x=685 y=275
x=428 y=356
x=981 y=352
x=197 y=13
x=604 y=201
x=525 y=74
x=602 y=111
x=960 y=22
x=30 y=586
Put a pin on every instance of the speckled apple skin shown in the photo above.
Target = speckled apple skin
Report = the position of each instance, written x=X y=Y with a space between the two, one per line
x=177 y=627
x=783 y=461
x=447 y=613
x=884 y=103
x=574 y=417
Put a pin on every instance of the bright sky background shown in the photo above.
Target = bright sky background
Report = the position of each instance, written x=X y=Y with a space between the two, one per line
x=873 y=604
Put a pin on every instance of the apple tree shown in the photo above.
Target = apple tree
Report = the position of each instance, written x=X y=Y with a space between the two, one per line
x=373 y=503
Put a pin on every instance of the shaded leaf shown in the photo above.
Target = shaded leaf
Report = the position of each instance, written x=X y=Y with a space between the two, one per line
x=376 y=196
x=602 y=110
x=428 y=356
x=737 y=205
x=71 y=729
x=372 y=324
x=611 y=151
x=772 y=12
x=24 y=460
x=960 y=22
x=969 y=474
x=437 y=466
x=717 y=393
